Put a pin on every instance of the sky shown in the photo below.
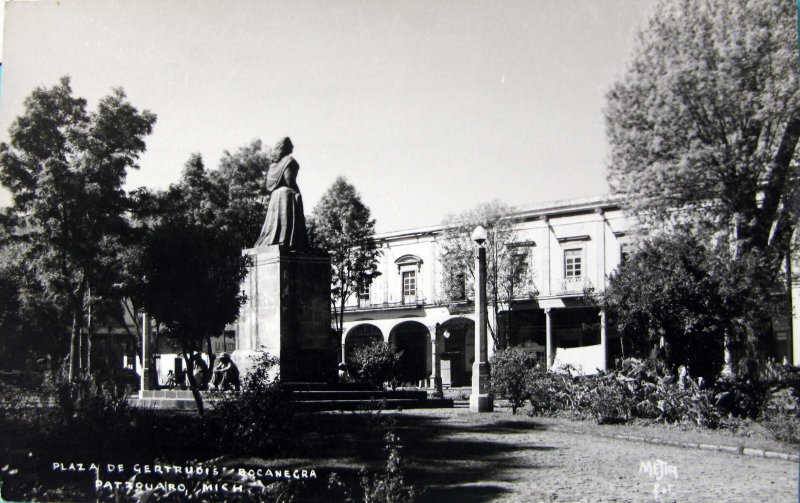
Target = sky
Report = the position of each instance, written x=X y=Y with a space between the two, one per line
x=427 y=107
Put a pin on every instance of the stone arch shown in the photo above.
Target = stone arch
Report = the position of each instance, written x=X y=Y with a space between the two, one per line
x=458 y=351
x=413 y=339
x=361 y=335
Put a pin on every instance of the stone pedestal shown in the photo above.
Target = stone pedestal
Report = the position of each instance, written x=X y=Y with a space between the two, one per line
x=288 y=314
x=480 y=400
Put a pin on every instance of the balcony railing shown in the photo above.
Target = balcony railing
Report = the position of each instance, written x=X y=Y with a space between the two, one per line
x=388 y=302
x=576 y=284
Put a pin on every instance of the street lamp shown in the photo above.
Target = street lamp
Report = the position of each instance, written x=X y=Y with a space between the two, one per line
x=480 y=400
x=479 y=235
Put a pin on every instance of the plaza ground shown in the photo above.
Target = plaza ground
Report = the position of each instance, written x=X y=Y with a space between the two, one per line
x=512 y=458
x=456 y=455
x=449 y=455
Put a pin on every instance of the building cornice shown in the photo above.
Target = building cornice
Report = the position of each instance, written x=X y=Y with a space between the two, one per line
x=560 y=208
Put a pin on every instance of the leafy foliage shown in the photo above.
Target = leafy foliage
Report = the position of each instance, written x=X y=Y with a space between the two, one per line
x=241 y=176
x=188 y=273
x=507 y=271
x=376 y=363
x=192 y=278
x=508 y=365
x=254 y=420
x=546 y=390
x=666 y=300
x=635 y=391
x=703 y=129
x=782 y=416
x=341 y=225
x=65 y=167
x=706 y=117
x=389 y=487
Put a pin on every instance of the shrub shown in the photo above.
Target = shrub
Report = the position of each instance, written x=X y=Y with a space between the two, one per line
x=253 y=419
x=608 y=400
x=509 y=368
x=547 y=391
x=740 y=396
x=781 y=416
x=375 y=364
x=390 y=486
x=635 y=390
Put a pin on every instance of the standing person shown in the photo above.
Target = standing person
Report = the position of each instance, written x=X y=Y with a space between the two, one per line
x=200 y=371
x=170 y=380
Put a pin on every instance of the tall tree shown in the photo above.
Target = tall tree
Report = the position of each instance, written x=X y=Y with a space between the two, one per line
x=666 y=300
x=191 y=265
x=241 y=174
x=508 y=277
x=65 y=167
x=230 y=198
x=341 y=225
x=704 y=126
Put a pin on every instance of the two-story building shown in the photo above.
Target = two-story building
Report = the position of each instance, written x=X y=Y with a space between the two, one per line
x=568 y=248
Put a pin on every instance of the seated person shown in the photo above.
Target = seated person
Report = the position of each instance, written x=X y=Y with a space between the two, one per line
x=226 y=374
x=170 y=380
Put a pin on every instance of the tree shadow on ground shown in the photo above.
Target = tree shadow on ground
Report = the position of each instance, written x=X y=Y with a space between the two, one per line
x=466 y=459
x=455 y=457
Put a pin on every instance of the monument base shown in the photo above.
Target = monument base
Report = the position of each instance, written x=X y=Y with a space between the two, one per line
x=287 y=314
x=481 y=400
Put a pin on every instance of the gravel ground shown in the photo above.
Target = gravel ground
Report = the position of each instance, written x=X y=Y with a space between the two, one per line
x=460 y=456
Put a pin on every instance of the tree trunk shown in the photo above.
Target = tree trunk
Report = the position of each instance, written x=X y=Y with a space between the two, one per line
x=86 y=342
x=198 y=399
x=75 y=345
x=340 y=322
x=211 y=355
x=790 y=305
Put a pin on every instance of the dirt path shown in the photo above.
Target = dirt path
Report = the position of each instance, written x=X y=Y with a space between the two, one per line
x=461 y=456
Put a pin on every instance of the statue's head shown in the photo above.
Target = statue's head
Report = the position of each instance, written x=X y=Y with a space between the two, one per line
x=283 y=148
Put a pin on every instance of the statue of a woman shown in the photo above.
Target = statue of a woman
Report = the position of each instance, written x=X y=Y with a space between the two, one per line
x=285 y=223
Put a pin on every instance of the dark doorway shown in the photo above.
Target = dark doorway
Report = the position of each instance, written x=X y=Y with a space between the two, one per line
x=361 y=335
x=458 y=335
x=412 y=338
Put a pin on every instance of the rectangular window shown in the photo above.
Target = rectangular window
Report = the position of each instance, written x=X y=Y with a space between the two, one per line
x=409 y=283
x=520 y=267
x=363 y=292
x=624 y=252
x=460 y=287
x=573 y=263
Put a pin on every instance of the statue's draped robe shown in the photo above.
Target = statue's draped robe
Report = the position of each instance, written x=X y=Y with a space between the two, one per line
x=285 y=223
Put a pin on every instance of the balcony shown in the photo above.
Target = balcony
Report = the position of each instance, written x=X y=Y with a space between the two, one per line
x=575 y=285
x=387 y=302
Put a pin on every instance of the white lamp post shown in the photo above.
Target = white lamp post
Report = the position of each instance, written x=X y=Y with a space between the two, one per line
x=481 y=398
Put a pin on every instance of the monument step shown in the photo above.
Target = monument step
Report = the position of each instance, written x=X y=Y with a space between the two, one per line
x=302 y=389
x=321 y=386
x=321 y=394
x=305 y=396
x=180 y=394
x=184 y=404
x=390 y=404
